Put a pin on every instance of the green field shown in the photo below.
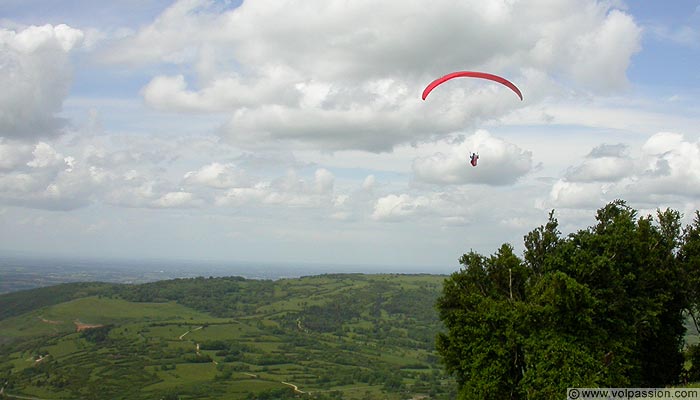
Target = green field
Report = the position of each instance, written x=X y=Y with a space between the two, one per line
x=332 y=336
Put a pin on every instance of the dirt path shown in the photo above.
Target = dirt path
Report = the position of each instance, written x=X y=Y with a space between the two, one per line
x=16 y=396
x=40 y=359
x=296 y=389
x=293 y=386
x=48 y=321
x=79 y=326
x=195 y=329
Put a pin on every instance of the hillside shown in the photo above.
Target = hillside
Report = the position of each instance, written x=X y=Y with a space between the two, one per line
x=331 y=336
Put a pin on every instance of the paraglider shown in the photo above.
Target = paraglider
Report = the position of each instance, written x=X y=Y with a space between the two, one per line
x=473 y=159
x=471 y=74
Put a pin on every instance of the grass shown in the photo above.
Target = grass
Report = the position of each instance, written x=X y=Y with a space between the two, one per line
x=97 y=310
x=105 y=310
x=144 y=347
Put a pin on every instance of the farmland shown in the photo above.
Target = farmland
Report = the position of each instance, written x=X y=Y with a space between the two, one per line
x=330 y=336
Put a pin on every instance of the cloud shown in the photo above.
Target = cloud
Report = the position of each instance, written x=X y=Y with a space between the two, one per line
x=217 y=175
x=369 y=183
x=323 y=181
x=397 y=207
x=78 y=171
x=45 y=156
x=663 y=142
x=134 y=189
x=288 y=191
x=74 y=171
x=667 y=169
x=576 y=195
x=35 y=75
x=681 y=35
x=52 y=183
x=632 y=115
x=608 y=47
x=170 y=93
x=500 y=163
x=609 y=150
x=13 y=154
x=357 y=127
x=175 y=200
x=448 y=208
x=605 y=163
x=341 y=75
x=673 y=166
x=601 y=169
x=48 y=180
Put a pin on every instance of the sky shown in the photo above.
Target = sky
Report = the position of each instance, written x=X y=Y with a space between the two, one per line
x=295 y=132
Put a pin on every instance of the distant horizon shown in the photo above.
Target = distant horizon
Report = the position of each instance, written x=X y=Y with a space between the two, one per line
x=220 y=264
x=27 y=271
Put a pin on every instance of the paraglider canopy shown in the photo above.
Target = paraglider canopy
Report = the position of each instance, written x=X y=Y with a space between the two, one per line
x=471 y=74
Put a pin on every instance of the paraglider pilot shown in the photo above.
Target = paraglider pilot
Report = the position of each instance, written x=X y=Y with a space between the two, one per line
x=474 y=157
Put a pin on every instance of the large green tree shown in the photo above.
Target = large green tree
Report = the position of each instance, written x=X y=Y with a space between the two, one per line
x=604 y=306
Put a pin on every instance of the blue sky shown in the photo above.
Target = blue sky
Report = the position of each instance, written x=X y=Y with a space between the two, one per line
x=279 y=132
x=667 y=63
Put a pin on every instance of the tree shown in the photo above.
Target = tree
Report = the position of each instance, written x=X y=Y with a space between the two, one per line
x=596 y=308
x=694 y=358
x=689 y=255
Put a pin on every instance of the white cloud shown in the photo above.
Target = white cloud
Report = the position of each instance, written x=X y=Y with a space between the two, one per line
x=134 y=191
x=235 y=197
x=609 y=150
x=607 y=48
x=663 y=142
x=288 y=191
x=51 y=187
x=175 y=200
x=13 y=154
x=601 y=169
x=682 y=35
x=170 y=38
x=34 y=38
x=396 y=208
x=323 y=181
x=35 y=77
x=217 y=175
x=605 y=163
x=628 y=115
x=500 y=162
x=673 y=166
x=445 y=208
x=45 y=156
x=369 y=183
x=576 y=195
x=666 y=170
x=348 y=75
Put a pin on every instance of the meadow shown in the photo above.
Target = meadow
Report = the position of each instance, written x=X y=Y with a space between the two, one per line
x=330 y=336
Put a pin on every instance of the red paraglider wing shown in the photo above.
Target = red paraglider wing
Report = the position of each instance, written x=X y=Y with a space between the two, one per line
x=471 y=74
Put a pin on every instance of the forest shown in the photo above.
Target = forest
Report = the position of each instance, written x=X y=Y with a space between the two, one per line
x=613 y=305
